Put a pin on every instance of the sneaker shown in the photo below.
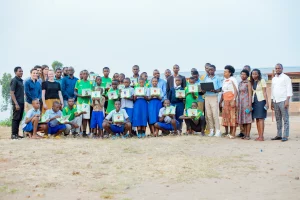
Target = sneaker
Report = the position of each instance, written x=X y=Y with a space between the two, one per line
x=211 y=133
x=143 y=135
x=84 y=135
x=117 y=135
x=218 y=133
x=125 y=136
x=284 y=139
x=139 y=135
x=14 y=137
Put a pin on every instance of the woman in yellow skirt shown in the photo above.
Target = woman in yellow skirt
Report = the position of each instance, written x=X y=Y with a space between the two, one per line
x=51 y=92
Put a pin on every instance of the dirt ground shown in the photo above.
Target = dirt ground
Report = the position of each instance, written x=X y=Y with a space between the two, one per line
x=172 y=167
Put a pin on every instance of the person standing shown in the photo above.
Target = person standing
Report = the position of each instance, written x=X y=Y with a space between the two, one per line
x=33 y=89
x=260 y=102
x=211 y=102
x=134 y=80
x=162 y=84
x=200 y=102
x=280 y=95
x=171 y=80
x=58 y=77
x=44 y=73
x=245 y=105
x=17 y=97
x=68 y=86
x=51 y=92
x=65 y=71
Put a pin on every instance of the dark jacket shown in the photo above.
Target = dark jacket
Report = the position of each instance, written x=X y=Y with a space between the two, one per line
x=170 y=83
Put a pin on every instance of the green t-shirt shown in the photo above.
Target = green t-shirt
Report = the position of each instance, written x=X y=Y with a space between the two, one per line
x=81 y=84
x=105 y=81
x=111 y=102
x=189 y=98
x=147 y=84
x=68 y=111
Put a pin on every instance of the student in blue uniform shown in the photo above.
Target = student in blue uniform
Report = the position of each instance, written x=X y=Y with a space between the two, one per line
x=178 y=102
x=166 y=122
x=127 y=102
x=140 y=110
x=154 y=104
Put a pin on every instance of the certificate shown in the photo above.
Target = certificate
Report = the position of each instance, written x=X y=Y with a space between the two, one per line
x=133 y=81
x=170 y=110
x=96 y=94
x=102 y=89
x=207 y=86
x=192 y=112
x=86 y=92
x=92 y=77
x=155 y=91
x=63 y=119
x=139 y=91
x=112 y=95
x=118 y=117
x=193 y=88
x=180 y=93
x=121 y=87
x=83 y=108
x=125 y=93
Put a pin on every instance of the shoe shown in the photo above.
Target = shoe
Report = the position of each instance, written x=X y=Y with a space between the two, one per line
x=57 y=137
x=284 y=139
x=241 y=135
x=14 y=137
x=143 y=135
x=117 y=135
x=211 y=133
x=277 y=138
x=125 y=136
x=218 y=133
x=46 y=136
x=84 y=135
x=139 y=135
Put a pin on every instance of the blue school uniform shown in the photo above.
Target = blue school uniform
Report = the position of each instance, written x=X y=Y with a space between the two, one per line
x=166 y=124
x=97 y=119
x=54 y=126
x=127 y=104
x=117 y=128
x=177 y=102
x=154 y=106
x=140 y=111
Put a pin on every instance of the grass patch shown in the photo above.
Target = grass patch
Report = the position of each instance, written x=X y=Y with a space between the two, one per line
x=5 y=189
x=7 y=122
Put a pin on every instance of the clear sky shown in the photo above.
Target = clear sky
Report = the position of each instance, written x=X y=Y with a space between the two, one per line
x=91 y=34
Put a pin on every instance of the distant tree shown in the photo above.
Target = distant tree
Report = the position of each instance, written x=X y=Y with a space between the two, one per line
x=5 y=92
x=56 y=64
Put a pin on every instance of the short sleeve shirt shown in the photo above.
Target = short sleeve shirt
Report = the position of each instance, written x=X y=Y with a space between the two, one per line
x=121 y=111
x=52 y=89
x=52 y=114
x=17 y=86
x=80 y=85
x=105 y=81
x=68 y=111
x=30 y=114
x=167 y=119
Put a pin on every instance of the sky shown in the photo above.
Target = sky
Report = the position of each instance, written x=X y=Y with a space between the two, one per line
x=154 y=34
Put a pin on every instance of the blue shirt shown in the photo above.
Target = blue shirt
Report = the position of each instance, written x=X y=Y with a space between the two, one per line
x=217 y=84
x=33 y=90
x=52 y=114
x=58 y=80
x=200 y=98
x=162 y=84
x=68 y=86
x=30 y=114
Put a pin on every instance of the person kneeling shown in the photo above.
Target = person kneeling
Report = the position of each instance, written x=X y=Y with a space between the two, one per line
x=120 y=123
x=194 y=123
x=75 y=118
x=31 y=121
x=167 y=122
x=55 y=128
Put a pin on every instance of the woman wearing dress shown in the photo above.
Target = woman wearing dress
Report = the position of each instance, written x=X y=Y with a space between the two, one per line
x=229 y=96
x=245 y=104
x=260 y=102
x=51 y=92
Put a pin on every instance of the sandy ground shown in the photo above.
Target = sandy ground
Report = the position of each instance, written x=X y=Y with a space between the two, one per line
x=186 y=167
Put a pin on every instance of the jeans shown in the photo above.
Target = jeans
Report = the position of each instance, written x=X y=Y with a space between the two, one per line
x=16 y=119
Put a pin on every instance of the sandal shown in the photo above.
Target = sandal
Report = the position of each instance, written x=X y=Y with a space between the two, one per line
x=244 y=137
x=230 y=136
x=247 y=138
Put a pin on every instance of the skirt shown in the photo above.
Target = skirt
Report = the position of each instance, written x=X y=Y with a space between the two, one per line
x=49 y=103
x=154 y=106
x=140 y=113
x=229 y=115
x=259 y=111
x=129 y=112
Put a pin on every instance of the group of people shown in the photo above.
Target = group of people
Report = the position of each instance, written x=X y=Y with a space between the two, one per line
x=57 y=102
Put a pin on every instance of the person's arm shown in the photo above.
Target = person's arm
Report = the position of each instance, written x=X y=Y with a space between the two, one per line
x=168 y=88
x=235 y=95
x=39 y=91
x=30 y=118
x=43 y=99
x=184 y=117
x=13 y=86
x=27 y=91
x=250 y=96
x=161 y=119
x=61 y=99
x=289 y=90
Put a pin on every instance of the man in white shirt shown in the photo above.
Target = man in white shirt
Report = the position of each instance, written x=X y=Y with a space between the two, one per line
x=281 y=94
